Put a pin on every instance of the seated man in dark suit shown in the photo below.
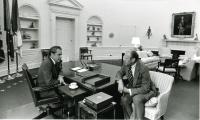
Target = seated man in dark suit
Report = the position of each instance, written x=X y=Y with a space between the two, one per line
x=49 y=71
x=139 y=88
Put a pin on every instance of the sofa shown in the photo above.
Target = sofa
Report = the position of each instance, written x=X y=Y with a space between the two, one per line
x=147 y=57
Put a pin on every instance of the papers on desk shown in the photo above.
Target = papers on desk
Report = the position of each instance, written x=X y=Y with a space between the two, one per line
x=76 y=68
x=82 y=70
x=79 y=69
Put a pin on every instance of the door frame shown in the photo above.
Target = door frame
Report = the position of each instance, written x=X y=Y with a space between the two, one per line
x=71 y=45
x=66 y=13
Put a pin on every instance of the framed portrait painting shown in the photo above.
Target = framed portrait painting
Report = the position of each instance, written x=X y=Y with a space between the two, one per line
x=183 y=25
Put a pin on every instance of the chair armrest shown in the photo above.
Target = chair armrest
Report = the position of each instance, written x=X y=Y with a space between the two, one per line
x=163 y=102
x=45 y=88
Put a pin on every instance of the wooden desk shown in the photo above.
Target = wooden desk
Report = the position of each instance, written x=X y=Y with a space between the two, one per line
x=104 y=69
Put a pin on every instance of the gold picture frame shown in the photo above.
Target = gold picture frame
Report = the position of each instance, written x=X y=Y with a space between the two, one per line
x=183 y=24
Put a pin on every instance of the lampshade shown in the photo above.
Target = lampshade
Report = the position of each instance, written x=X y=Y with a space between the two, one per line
x=135 y=41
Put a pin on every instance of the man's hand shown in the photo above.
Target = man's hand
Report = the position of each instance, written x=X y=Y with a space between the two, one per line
x=120 y=86
x=126 y=90
x=60 y=78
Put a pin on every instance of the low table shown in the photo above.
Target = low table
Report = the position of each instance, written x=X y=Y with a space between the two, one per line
x=83 y=109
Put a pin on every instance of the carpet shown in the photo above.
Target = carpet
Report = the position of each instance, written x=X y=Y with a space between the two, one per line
x=183 y=102
x=25 y=111
x=15 y=93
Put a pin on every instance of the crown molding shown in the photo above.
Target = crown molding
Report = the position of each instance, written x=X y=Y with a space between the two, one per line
x=66 y=3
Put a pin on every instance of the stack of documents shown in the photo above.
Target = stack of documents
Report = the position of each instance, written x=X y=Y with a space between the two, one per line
x=79 y=69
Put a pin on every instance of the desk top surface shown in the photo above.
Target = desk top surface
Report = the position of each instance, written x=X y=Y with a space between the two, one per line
x=104 y=69
x=72 y=93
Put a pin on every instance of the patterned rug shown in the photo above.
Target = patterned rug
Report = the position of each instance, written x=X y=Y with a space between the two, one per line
x=14 y=93
x=15 y=96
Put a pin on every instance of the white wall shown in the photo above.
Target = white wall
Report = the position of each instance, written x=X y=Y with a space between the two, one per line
x=31 y=57
x=120 y=17
x=43 y=8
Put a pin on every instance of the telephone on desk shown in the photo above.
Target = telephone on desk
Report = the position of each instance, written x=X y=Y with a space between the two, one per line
x=89 y=66
x=87 y=76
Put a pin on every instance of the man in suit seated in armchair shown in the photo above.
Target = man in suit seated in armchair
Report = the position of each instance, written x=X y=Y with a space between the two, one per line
x=139 y=88
x=49 y=72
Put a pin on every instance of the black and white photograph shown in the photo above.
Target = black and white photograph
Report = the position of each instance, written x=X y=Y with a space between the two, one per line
x=100 y=59
x=183 y=24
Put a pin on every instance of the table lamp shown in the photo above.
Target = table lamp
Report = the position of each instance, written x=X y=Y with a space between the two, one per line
x=136 y=42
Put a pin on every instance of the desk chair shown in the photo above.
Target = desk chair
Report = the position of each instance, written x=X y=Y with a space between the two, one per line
x=169 y=66
x=37 y=99
x=45 y=53
x=85 y=53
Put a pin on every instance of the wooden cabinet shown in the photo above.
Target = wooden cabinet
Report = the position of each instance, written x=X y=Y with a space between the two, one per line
x=29 y=27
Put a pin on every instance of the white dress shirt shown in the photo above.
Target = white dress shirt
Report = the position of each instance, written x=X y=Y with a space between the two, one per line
x=54 y=62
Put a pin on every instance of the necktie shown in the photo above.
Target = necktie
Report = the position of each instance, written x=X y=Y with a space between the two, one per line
x=130 y=77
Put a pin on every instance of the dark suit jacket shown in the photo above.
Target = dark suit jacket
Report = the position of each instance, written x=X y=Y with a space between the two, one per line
x=48 y=73
x=142 y=83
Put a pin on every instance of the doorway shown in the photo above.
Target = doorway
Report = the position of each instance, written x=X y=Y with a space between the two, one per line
x=65 y=37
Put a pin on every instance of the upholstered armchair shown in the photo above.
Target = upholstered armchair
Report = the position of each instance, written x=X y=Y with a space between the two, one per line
x=164 y=83
x=188 y=64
